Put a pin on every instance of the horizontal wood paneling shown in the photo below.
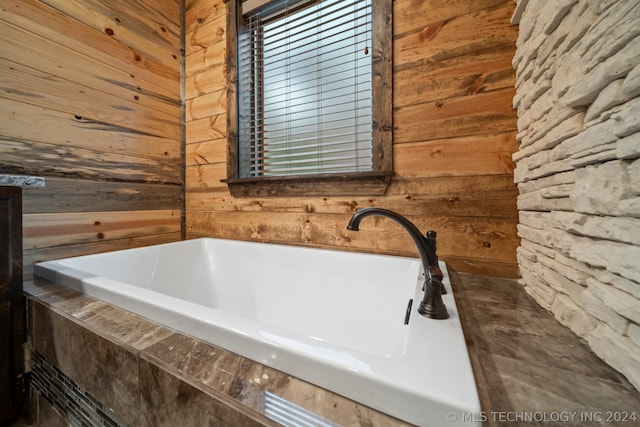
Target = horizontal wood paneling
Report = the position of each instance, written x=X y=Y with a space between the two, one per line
x=27 y=85
x=202 y=59
x=480 y=71
x=454 y=133
x=48 y=229
x=214 y=103
x=90 y=99
x=35 y=52
x=65 y=251
x=27 y=122
x=150 y=28
x=206 y=176
x=210 y=80
x=207 y=31
x=486 y=238
x=469 y=155
x=435 y=40
x=204 y=154
x=479 y=114
x=91 y=96
x=81 y=195
x=147 y=76
x=416 y=15
x=495 y=205
x=206 y=129
x=35 y=158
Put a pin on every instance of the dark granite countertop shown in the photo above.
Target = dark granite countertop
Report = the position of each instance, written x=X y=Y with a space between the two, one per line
x=530 y=369
x=21 y=180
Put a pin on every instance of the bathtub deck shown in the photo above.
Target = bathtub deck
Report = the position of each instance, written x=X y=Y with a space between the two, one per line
x=523 y=359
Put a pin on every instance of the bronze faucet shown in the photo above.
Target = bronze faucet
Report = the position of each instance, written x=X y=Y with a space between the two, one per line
x=431 y=305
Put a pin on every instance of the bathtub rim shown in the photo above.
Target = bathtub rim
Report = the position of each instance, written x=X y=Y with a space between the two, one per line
x=408 y=405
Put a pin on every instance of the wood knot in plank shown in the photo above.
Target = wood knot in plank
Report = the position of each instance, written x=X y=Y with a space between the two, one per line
x=508 y=162
x=200 y=159
x=431 y=31
x=476 y=85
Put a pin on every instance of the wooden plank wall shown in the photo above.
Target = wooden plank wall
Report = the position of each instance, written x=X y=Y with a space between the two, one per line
x=90 y=99
x=454 y=133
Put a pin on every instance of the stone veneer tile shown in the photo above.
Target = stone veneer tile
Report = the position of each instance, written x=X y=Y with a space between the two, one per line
x=592 y=131
x=101 y=367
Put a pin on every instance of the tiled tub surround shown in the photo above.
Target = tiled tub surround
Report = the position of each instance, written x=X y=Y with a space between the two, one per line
x=151 y=376
x=73 y=404
x=578 y=169
x=336 y=319
x=525 y=363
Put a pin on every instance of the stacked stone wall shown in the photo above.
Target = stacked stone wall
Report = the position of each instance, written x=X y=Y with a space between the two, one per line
x=578 y=168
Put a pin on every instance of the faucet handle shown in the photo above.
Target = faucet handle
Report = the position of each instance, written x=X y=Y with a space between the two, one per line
x=431 y=241
x=435 y=269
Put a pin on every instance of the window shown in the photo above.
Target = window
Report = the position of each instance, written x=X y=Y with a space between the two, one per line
x=309 y=94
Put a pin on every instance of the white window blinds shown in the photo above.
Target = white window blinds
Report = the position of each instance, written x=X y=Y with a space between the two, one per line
x=304 y=80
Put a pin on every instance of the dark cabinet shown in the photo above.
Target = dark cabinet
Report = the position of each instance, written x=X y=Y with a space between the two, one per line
x=11 y=305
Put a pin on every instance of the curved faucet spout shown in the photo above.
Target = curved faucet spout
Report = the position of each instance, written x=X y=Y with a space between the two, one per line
x=431 y=305
x=426 y=254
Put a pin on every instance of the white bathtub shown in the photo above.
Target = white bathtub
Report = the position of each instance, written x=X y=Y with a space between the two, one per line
x=333 y=318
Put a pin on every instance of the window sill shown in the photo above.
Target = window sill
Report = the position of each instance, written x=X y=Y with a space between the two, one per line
x=367 y=183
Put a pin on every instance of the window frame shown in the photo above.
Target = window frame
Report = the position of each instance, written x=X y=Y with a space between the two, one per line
x=374 y=182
